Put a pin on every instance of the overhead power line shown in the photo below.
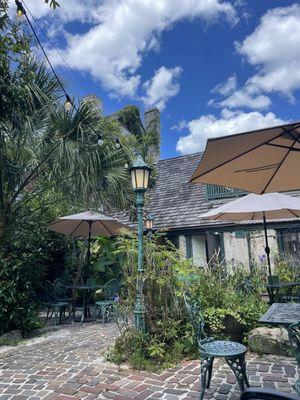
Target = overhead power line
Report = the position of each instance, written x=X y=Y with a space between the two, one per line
x=56 y=49
x=68 y=103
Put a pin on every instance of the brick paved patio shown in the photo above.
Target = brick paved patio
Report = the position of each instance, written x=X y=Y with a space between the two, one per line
x=70 y=364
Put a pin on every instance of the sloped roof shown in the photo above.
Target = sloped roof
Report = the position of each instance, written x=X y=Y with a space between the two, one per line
x=174 y=202
x=177 y=204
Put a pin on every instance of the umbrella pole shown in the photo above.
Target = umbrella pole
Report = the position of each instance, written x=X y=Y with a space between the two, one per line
x=89 y=251
x=267 y=248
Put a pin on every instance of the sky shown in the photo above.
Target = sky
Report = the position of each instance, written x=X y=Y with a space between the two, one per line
x=212 y=67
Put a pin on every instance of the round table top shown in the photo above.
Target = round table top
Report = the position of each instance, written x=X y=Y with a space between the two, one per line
x=279 y=285
x=84 y=287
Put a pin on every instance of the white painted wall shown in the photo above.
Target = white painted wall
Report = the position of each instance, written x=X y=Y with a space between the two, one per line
x=199 y=250
x=257 y=248
x=182 y=245
x=236 y=251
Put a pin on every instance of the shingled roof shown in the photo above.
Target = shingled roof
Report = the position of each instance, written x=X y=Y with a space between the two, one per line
x=174 y=202
x=177 y=204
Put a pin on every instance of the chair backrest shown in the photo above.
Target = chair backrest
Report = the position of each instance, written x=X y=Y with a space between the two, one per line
x=194 y=311
x=112 y=289
x=50 y=292
x=273 y=279
x=266 y=394
x=294 y=338
x=60 y=288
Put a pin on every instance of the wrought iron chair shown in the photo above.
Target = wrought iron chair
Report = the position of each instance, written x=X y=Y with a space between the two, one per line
x=106 y=307
x=63 y=294
x=54 y=305
x=266 y=394
x=294 y=338
x=209 y=349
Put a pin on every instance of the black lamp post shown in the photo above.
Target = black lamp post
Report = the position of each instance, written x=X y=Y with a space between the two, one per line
x=140 y=177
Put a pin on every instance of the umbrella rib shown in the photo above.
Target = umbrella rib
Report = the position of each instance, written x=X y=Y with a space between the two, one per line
x=292 y=212
x=242 y=154
x=218 y=216
x=292 y=134
x=109 y=231
x=282 y=147
x=76 y=228
x=279 y=166
x=258 y=169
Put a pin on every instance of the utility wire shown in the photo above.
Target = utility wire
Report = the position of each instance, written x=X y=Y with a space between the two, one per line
x=55 y=48
x=21 y=10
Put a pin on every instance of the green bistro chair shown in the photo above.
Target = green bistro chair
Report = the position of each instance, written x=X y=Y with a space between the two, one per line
x=294 y=338
x=63 y=294
x=274 y=294
x=106 y=307
x=54 y=305
x=209 y=349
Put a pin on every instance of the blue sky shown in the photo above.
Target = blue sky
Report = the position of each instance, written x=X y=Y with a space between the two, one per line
x=212 y=67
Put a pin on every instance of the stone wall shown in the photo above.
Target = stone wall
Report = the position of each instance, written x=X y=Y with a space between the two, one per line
x=236 y=250
x=239 y=246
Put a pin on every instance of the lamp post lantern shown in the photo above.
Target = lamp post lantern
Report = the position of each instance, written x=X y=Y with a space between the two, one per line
x=140 y=176
x=149 y=225
x=149 y=222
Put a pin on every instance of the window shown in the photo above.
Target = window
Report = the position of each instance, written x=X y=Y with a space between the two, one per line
x=174 y=240
x=289 y=243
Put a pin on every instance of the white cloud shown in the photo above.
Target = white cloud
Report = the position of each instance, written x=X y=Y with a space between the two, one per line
x=274 y=49
x=180 y=126
x=243 y=98
x=161 y=87
x=237 y=98
x=208 y=126
x=226 y=88
x=123 y=31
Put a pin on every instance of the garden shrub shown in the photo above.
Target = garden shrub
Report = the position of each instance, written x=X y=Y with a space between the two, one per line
x=27 y=252
x=169 y=336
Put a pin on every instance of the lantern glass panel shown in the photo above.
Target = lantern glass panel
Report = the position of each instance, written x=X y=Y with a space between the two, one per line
x=149 y=223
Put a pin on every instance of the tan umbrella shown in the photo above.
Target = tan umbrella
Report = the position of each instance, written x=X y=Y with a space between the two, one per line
x=261 y=161
x=87 y=224
x=254 y=207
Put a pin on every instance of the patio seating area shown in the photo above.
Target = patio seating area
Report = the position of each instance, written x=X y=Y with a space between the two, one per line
x=131 y=266
x=70 y=364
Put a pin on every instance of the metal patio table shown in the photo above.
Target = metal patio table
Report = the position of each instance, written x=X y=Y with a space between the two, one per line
x=284 y=314
x=274 y=288
x=86 y=305
x=281 y=314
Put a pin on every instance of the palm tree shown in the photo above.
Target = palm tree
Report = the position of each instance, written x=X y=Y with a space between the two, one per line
x=44 y=147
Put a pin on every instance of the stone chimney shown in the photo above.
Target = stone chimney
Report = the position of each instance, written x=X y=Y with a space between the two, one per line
x=152 y=124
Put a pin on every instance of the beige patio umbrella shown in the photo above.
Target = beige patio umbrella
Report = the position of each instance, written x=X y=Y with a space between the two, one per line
x=254 y=207
x=86 y=225
x=261 y=161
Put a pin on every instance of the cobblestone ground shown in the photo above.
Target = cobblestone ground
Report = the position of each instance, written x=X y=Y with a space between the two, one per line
x=70 y=365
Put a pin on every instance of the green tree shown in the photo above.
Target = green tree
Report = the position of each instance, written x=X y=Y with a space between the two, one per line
x=43 y=146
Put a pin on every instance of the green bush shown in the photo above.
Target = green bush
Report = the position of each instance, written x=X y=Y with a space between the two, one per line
x=169 y=336
x=27 y=252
